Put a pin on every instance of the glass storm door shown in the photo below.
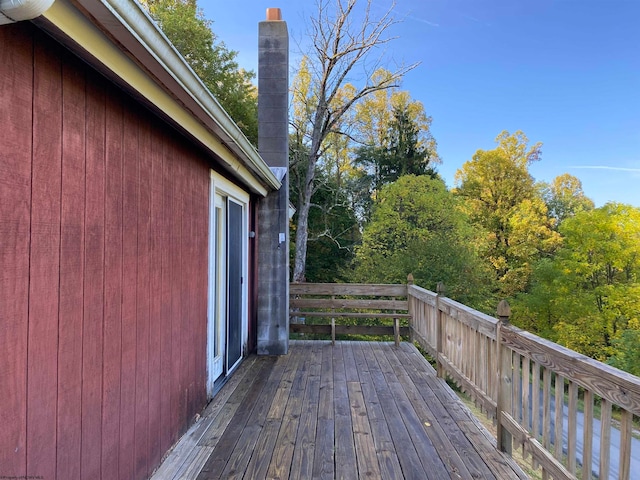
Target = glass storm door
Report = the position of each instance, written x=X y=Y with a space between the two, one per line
x=227 y=298
x=234 y=283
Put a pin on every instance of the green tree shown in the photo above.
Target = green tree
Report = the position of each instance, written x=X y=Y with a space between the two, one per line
x=394 y=131
x=588 y=294
x=417 y=228
x=190 y=32
x=396 y=136
x=404 y=151
x=626 y=348
x=501 y=197
x=333 y=233
x=564 y=197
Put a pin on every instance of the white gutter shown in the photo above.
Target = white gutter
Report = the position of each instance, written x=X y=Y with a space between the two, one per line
x=150 y=43
x=12 y=11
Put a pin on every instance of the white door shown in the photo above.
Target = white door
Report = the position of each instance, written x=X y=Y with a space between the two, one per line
x=227 y=324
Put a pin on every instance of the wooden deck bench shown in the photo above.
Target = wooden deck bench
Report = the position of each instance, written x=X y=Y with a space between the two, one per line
x=349 y=300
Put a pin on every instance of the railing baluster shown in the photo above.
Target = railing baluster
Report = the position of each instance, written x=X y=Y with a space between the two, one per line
x=587 y=449
x=546 y=414
x=505 y=378
x=535 y=405
x=439 y=331
x=626 y=429
x=546 y=408
x=605 y=437
x=572 y=428
x=526 y=395
x=559 y=417
x=505 y=442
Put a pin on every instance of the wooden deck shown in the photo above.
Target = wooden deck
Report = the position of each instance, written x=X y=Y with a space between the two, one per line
x=354 y=410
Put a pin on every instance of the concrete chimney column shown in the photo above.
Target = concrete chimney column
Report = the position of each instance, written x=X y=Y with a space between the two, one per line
x=273 y=211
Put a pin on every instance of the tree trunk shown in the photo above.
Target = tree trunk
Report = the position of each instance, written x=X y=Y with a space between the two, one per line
x=302 y=233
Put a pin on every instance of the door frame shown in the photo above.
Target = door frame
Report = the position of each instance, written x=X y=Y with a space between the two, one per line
x=222 y=187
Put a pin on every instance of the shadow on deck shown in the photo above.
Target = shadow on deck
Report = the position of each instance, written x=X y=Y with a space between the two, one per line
x=354 y=410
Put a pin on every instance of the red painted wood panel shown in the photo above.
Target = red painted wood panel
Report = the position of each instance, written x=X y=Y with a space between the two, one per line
x=112 y=347
x=117 y=336
x=71 y=273
x=177 y=377
x=156 y=247
x=16 y=92
x=92 y=337
x=129 y=294
x=44 y=272
x=142 y=310
x=203 y=282
x=193 y=287
x=166 y=363
x=187 y=264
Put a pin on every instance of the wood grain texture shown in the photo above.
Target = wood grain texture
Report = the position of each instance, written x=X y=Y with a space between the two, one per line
x=619 y=387
x=92 y=333
x=177 y=381
x=69 y=415
x=347 y=289
x=130 y=194
x=90 y=274
x=141 y=429
x=329 y=303
x=156 y=244
x=112 y=327
x=356 y=410
x=347 y=329
x=166 y=308
x=16 y=94
x=44 y=264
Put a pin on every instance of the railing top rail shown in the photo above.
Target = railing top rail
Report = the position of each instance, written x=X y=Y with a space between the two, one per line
x=479 y=321
x=362 y=289
x=620 y=388
x=422 y=294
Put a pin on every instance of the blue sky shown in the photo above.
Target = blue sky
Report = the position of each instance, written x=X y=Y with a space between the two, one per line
x=566 y=72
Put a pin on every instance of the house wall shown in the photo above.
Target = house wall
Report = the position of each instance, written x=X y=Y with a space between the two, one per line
x=103 y=271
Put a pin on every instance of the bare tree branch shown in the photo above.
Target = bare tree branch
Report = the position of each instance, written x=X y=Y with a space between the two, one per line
x=343 y=42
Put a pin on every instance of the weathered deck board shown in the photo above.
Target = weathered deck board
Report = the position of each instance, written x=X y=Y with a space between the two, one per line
x=355 y=410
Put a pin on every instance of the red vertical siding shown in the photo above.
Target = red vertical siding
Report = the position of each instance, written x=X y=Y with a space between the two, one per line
x=92 y=333
x=141 y=433
x=156 y=245
x=177 y=378
x=129 y=294
x=187 y=262
x=203 y=285
x=166 y=365
x=44 y=267
x=16 y=92
x=103 y=284
x=71 y=273
x=112 y=328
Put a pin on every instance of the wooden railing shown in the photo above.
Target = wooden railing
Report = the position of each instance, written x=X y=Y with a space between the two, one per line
x=519 y=378
x=515 y=377
x=359 y=302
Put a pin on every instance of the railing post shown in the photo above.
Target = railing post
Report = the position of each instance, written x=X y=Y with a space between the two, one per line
x=333 y=322
x=505 y=382
x=411 y=309
x=440 y=291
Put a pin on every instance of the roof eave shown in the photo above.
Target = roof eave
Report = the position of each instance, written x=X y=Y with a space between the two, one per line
x=126 y=22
